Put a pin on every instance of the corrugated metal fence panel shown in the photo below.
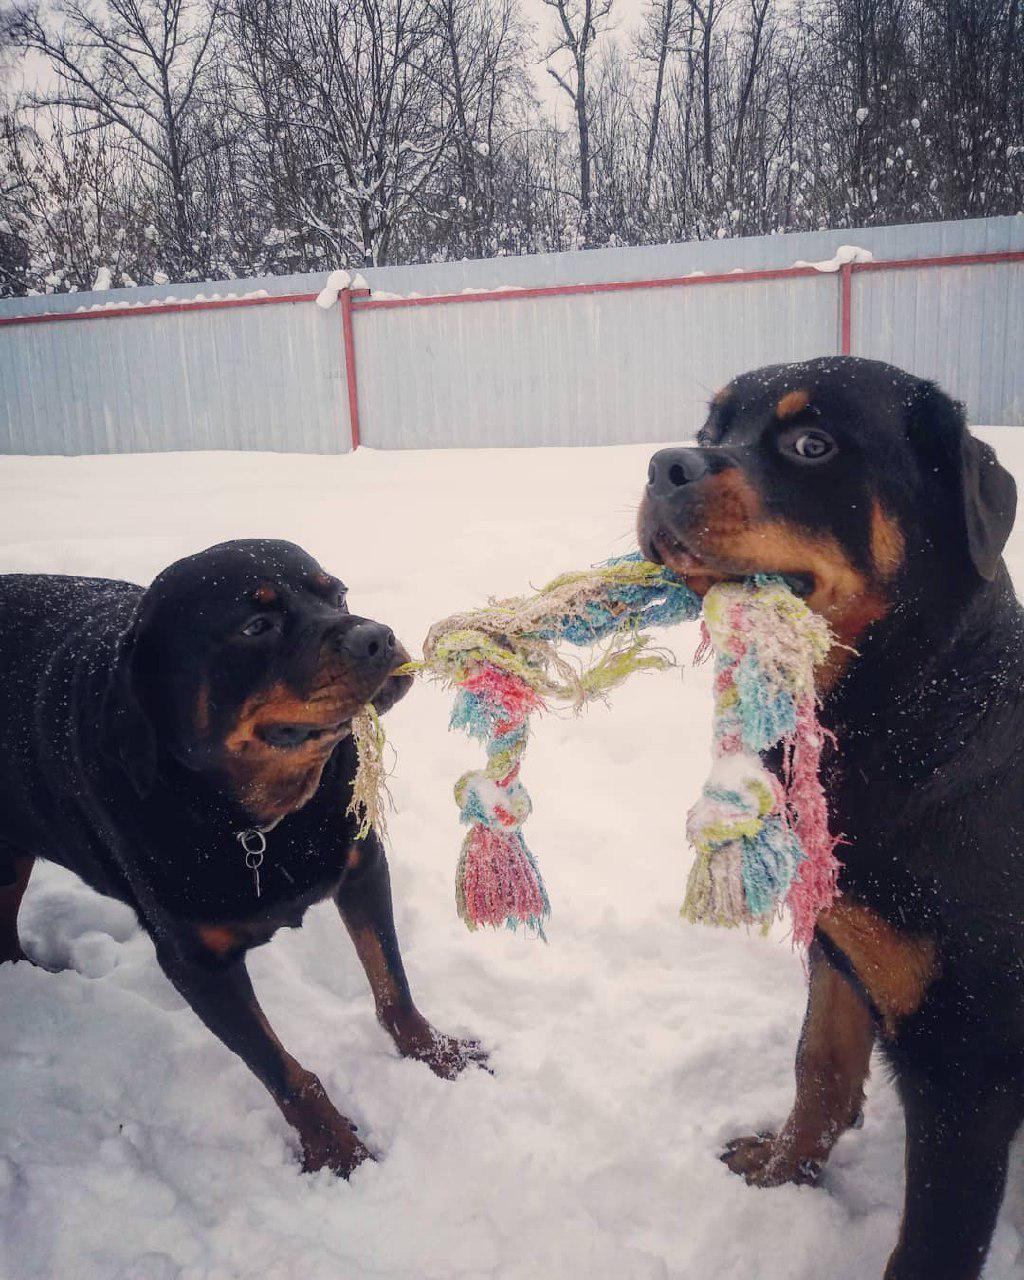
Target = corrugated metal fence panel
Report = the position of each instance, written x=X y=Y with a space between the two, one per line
x=581 y=369
x=268 y=377
x=962 y=326
x=921 y=240
x=607 y=368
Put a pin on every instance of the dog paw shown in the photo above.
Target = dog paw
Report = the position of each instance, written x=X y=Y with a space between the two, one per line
x=338 y=1150
x=328 y=1138
x=446 y=1056
x=764 y=1161
x=450 y=1056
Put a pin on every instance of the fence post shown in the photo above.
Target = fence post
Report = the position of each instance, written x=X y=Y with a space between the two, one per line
x=845 y=307
x=349 y=342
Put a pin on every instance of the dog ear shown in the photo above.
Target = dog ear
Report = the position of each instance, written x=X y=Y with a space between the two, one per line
x=990 y=504
x=127 y=735
x=984 y=491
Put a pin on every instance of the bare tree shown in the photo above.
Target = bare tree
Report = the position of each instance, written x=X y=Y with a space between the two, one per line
x=484 y=46
x=581 y=22
x=358 y=109
x=663 y=32
x=137 y=65
x=241 y=137
x=71 y=201
x=748 y=63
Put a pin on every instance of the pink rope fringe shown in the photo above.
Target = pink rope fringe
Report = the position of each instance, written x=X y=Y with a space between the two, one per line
x=498 y=880
x=816 y=886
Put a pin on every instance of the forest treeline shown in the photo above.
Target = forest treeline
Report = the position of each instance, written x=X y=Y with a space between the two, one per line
x=204 y=139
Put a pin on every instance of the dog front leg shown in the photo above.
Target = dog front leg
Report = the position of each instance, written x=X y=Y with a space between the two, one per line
x=832 y=1064
x=221 y=995
x=18 y=869
x=364 y=903
x=958 y=1139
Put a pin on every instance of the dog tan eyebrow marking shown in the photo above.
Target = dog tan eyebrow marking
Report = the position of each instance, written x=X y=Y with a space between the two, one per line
x=887 y=541
x=720 y=396
x=792 y=403
x=265 y=594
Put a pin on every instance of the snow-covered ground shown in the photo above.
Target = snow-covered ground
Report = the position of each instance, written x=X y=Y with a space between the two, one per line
x=133 y=1146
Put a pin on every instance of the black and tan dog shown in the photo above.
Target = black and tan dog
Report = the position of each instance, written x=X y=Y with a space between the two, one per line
x=187 y=750
x=862 y=485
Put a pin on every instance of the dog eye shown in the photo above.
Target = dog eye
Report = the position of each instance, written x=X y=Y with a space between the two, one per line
x=813 y=446
x=258 y=626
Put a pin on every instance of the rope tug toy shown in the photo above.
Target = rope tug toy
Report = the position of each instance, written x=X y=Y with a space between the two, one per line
x=760 y=843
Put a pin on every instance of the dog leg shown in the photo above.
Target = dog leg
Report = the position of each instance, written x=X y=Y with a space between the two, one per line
x=832 y=1063
x=223 y=998
x=958 y=1143
x=364 y=901
x=11 y=895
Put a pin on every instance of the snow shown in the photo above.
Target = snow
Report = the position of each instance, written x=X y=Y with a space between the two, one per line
x=278 y=236
x=626 y=1052
x=844 y=254
x=328 y=295
x=147 y=304
x=385 y=295
x=498 y=288
x=103 y=280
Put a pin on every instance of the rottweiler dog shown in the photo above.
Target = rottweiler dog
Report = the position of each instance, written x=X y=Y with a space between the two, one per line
x=862 y=486
x=187 y=749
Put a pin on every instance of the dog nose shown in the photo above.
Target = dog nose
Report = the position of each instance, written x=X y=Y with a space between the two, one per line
x=365 y=642
x=671 y=469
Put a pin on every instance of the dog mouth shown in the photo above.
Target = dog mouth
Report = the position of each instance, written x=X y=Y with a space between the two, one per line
x=343 y=698
x=290 y=735
x=701 y=573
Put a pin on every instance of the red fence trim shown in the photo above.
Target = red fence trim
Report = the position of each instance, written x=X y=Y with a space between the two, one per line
x=348 y=338
x=167 y=308
x=952 y=260
x=845 y=308
x=571 y=290
x=352 y=300
x=370 y=303
x=363 y=299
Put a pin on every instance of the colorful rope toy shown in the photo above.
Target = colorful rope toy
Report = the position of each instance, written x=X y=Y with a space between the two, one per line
x=759 y=842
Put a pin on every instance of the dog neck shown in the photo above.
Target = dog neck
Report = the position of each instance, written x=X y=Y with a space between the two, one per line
x=933 y=673
x=204 y=803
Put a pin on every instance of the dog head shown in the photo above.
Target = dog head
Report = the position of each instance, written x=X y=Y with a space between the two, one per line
x=244 y=664
x=857 y=482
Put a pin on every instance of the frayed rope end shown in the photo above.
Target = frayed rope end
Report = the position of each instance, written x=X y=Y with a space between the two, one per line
x=498 y=882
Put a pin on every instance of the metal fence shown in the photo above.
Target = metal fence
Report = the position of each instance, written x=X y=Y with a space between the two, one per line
x=602 y=347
